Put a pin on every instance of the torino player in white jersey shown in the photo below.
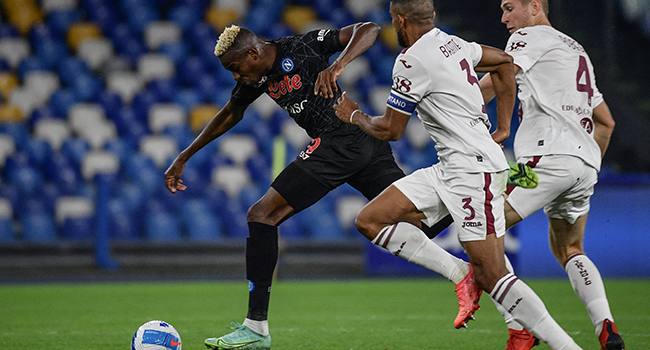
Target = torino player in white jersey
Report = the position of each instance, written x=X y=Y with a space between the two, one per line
x=564 y=132
x=435 y=77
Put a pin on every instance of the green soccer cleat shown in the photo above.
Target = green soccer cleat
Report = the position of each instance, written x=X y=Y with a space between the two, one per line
x=243 y=338
x=522 y=175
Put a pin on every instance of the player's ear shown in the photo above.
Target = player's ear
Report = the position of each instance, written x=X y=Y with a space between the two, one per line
x=536 y=7
x=253 y=53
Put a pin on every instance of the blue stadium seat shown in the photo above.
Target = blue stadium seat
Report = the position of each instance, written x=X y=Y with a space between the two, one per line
x=200 y=222
x=129 y=126
x=200 y=34
x=142 y=102
x=8 y=30
x=121 y=148
x=75 y=149
x=7 y=232
x=187 y=98
x=86 y=87
x=163 y=89
x=62 y=171
x=69 y=68
x=161 y=226
x=191 y=70
x=234 y=218
x=18 y=131
x=125 y=223
x=291 y=229
x=185 y=16
x=206 y=86
x=260 y=169
x=38 y=227
x=38 y=151
x=61 y=101
x=31 y=64
x=51 y=52
x=28 y=180
x=111 y=102
x=60 y=20
x=75 y=216
x=140 y=16
x=177 y=52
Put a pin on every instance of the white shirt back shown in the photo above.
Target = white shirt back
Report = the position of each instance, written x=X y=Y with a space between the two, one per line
x=557 y=93
x=435 y=77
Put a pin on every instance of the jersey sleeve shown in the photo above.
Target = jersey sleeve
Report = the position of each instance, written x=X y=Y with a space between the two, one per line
x=411 y=82
x=324 y=41
x=526 y=48
x=243 y=95
x=475 y=53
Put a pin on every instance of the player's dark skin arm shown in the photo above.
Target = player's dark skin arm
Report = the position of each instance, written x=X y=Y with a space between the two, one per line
x=388 y=127
x=223 y=121
x=357 y=38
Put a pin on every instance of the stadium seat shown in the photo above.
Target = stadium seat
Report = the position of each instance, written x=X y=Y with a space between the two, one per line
x=61 y=101
x=200 y=115
x=13 y=50
x=54 y=131
x=163 y=89
x=159 y=148
x=38 y=227
x=177 y=51
x=95 y=52
x=7 y=148
x=60 y=20
x=355 y=70
x=75 y=149
x=83 y=116
x=7 y=232
x=81 y=31
x=181 y=134
x=162 y=115
x=23 y=14
x=125 y=224
x=61 y=171
x=232 y=179
x=25 y=99
x=155 y=66
x=58 y=5
x=75 y=217
x=233 y=216
x=347 y=208
x=220 y=18
x=110 y=102
x=417 y=135
x=8 y=30
x=185 y=16
x=160 y=32
x=378 y=97
x=199 y=221
x=10 y=113
x=38 y=151
x=161 y=226
x=125 y=84
x=238 y=147
x=187 y=98
x=8 y=82
x=99 y=162
x=295 y=135
x=298 y=17
x=42 y=84
x=18 y=131
x=28 y=180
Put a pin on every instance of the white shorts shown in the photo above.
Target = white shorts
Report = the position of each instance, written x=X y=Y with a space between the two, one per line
x=475 y=201
x=565 y=185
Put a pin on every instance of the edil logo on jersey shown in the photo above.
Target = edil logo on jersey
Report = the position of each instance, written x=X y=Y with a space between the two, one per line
x=287 y=64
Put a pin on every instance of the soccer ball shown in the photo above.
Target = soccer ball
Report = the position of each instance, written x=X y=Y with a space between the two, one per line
x=156 y=335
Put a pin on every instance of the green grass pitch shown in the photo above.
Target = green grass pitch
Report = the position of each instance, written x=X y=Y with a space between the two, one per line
x=383 y=314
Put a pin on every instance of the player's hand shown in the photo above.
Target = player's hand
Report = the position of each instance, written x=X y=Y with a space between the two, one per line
x=499 y=136
x=173 y=174
x=326 y=81
x=344 y=108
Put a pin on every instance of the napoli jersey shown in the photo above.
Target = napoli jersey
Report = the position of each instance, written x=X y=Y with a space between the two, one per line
x=435 y=77
x=290 y=82
x=557 y=91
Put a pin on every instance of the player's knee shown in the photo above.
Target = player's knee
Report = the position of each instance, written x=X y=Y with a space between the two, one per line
x=365 y=225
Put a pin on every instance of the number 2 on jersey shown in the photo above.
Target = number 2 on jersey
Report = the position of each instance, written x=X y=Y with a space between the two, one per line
x=583 y=71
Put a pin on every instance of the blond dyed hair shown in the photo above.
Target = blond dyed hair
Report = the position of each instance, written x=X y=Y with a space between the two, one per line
x=226 y=39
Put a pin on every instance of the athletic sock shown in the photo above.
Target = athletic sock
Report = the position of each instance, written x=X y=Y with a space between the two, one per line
x=528 y=309
x=588 y=285
x=410 y=243
x=259 y=327
x=510 y=321
x=261 y=258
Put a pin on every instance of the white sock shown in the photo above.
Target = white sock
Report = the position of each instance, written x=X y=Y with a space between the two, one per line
x=410 y=243
x=589 y=287
x=259 y=327
x=527 y=308
x=510 y=321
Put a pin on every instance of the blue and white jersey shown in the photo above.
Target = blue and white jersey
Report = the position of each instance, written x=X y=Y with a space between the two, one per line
x=435 y=78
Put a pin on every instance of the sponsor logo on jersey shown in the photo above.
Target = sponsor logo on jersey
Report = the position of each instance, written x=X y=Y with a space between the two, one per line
x=296 y=108
x=283 y=87
x=406 y=64
x=321 y=34
x=472 y=224
x=287 y=64
x=517 y=46
x=587 y=124
x=401 y=104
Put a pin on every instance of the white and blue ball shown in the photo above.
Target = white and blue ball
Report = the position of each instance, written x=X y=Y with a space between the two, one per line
x=156 y=335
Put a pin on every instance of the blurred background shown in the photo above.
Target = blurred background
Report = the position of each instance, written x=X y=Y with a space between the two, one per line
x=97 y=97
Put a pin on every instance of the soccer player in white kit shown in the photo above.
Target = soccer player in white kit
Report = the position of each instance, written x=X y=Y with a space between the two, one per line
x=435 y=77
x=564 y=132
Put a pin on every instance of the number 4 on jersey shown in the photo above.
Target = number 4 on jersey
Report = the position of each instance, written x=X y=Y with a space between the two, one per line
x=583 y=75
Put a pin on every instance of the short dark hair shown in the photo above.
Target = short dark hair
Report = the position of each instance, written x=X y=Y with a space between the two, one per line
x=416 y=11
x=543 y=2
